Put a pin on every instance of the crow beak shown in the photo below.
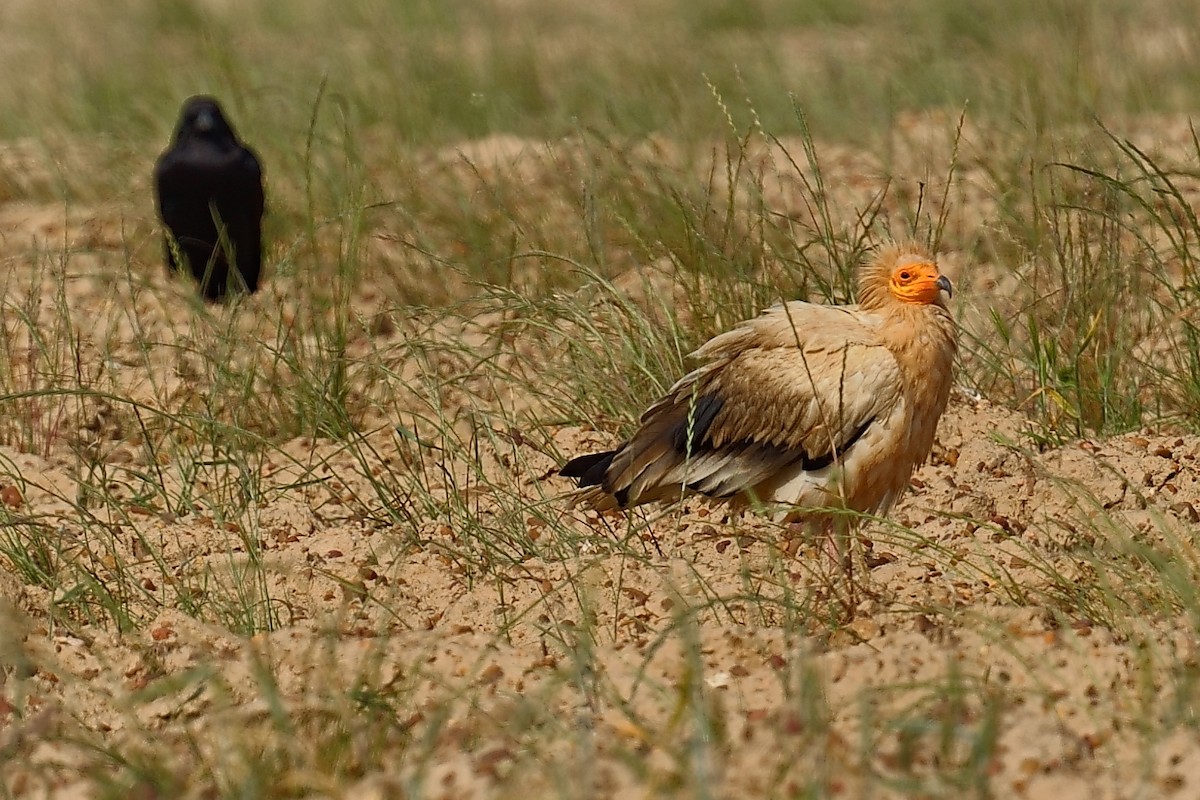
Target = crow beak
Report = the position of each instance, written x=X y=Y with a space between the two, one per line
x=204 y=122
x=944 y=284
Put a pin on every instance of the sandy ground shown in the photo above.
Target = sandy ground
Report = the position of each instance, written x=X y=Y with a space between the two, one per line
x=590 y=657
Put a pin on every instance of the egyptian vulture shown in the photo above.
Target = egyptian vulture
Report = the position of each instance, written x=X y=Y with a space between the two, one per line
x=806 y=406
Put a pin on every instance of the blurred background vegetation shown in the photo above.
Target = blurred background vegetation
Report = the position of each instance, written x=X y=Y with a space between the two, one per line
x=434 y=71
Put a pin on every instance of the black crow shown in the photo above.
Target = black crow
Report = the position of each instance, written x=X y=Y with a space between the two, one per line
x=210 y=198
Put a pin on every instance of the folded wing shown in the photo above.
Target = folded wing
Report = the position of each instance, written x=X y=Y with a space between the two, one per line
x=796 y=387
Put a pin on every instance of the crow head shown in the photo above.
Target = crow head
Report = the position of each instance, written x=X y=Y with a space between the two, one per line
x=201 y=118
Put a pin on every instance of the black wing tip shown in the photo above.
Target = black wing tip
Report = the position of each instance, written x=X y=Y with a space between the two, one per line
x=690 y=434
x=588 y=470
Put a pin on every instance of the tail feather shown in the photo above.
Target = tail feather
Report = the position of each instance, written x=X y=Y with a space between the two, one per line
x=588 y=470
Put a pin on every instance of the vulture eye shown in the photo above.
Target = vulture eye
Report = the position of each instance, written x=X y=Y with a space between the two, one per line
x=906 y=275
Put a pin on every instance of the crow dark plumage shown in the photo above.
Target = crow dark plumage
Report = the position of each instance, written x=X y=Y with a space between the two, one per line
x=210 y=197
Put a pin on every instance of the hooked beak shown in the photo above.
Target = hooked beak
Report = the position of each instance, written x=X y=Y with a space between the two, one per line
x=944 y=284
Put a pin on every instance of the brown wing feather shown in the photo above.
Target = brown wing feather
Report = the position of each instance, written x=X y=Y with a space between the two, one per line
x=801 y=382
